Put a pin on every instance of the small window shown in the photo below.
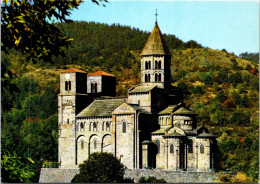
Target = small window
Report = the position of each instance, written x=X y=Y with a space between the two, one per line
x=124 y=127
x=148 y=78
x=90 y=126
x=81 y=127
x=95 y=144
x=107 y=126
x=92 y=88
x=171 y=149
x=82 y=144
x=68 y=121
x=69 y=85
x=201 y=148
x=159 y=65
x=158 y=145
x=149 y=64
x=156 y=77
x=190 y=149
x=103 y=124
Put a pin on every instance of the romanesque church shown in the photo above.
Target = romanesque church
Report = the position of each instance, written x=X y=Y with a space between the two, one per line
x=150 y=128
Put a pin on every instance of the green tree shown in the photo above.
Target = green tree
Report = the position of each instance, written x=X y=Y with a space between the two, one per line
x=245 y=100
x=236 y=97
x=183 y=86
x=217 y=118
x=16 y=169
x=100 y=168
x=197 y=90
x=240 y=118
x=220 y=96
x=235 y=78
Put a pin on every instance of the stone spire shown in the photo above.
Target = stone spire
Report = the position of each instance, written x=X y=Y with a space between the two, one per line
x=156 y=44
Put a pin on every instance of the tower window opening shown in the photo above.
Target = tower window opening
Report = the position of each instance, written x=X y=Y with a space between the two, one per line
x=103 y=124
x=69 y=85
x=81 y=127
x=90 y=126
x=94 y=126
x=171 y=148
x=107 y=126
x=158 y=145
x=66 y=85
x=92 y=88
x=124 y=127
x=95 y=87
x=68 y=121
x=159 y=65
x=159 y=78
x=156 y=65
x=156 y=77
x=149 y=64
x=148 y=78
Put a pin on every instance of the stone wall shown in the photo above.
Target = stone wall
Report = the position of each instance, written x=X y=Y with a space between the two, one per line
x=55 y=175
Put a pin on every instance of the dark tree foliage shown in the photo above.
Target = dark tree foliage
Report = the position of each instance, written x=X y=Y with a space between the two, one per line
x=254 y=57
x=220 y=96
x=222 y=76
x=183 y=86
x=101 y=168
x=235 y=78
x=240 y=118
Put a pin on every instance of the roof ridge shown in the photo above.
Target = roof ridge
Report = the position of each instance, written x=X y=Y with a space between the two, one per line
x=100 y=72
x=73 y=70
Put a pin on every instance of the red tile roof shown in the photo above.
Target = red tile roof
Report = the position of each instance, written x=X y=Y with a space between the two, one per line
x=100 y=73
x=73 y=70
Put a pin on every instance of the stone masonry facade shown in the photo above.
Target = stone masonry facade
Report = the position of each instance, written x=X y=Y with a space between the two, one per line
x=150 y=128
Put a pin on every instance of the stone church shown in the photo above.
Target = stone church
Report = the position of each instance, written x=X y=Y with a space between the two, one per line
x=150 y=128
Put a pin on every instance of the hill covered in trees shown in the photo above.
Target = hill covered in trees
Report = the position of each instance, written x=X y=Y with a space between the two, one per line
x=221 y=87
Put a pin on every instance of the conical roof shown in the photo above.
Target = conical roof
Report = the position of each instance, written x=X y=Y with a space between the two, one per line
x=156 y=44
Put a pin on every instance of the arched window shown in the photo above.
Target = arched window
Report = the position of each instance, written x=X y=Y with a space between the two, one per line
x=157 y=142
x=149 y=64
x=81 y=126
x=201 y=148
x=148 y=78
x=159 y=78
x=159 y=65
x=66 y=86
x=124 y=127
x=156 y=65
x=145 y=78
x=171 y=148
x=190 y=149
x=95 y=144
x=94 y=126
x=95 y=87
x=103 y=124
x=68 y=121
x=156 y=77
x=82 y=144
x=107 y=126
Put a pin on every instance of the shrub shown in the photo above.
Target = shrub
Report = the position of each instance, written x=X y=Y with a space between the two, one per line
x=240 y=118
x=183 y=87
x=220 y=96
x=101 y=168
x=197 y=90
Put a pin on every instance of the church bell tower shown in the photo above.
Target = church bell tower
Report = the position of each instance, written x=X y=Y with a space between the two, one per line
x=156 y=60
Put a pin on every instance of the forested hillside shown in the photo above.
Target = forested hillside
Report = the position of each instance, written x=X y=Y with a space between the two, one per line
x=221 y=87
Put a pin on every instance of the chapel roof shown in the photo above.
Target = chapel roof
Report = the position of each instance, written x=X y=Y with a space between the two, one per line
x=101 y=107
x=184 y=110
x=73 y=70
x=156 y=44
x=141 y=89
x=101 y=73
x=204 y=134
x=161 y=130
x=174 y=134
x=139 y=109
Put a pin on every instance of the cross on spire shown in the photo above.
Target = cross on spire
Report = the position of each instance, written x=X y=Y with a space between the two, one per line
x=156 y=14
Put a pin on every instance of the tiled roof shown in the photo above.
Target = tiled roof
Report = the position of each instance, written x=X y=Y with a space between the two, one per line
x=184 y=110
x=169 y=109
x=141 y=88
x=156 y=43
x=204 y=134
x=73 y=70
x=139 y=109
x=161 y=130
x=101 y=73
x=101 y=107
